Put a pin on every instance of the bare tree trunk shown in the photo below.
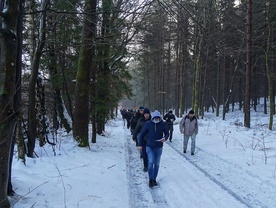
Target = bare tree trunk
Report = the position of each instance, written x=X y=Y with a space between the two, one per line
x=19 y=138
x=265 y=97
x=177 y=77
x=33 y=79
x=8 y=41
x=197 y=68
x=217 y=88
x=224 y=85
x=248 y=68
x=81 y=111
x=17 y=101
x=196 y=84
x=203 y=88
x=168 y=104
x=58 y=110
x=182 y=86
x=93 y=102
x=65 y=86
x=268 y=65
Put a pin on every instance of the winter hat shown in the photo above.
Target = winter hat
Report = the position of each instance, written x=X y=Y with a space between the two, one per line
x=146 y=110
x=191 y=112
x=170 y=111
x=141 y=108
x=155 y=114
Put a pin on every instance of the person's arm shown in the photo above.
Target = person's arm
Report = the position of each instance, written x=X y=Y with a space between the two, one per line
x=173 y=117
x=136 y=130
x=166 y=132
x=181 y=125
x=196 y=127
x=142 y=135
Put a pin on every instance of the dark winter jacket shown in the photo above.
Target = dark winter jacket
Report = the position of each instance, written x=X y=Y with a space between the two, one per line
x=154 y=132
x=129 y=115
x=135 y=119
x=169 y=118
x=139 y=126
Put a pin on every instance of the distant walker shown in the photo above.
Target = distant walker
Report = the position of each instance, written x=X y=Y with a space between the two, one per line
x=189 y=127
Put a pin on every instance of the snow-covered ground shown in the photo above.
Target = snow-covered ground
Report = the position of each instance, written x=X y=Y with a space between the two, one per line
x=233 y=167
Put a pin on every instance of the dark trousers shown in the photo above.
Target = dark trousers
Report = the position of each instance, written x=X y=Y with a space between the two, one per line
x=144 y=152
x=145 y=156
x=170 y=128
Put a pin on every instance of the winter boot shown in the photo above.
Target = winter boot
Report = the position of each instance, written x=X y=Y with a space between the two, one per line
x=151 y=183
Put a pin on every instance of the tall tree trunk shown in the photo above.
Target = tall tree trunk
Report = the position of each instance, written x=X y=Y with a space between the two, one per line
x=197 y=68
x=81 y=111
x=93 y=104
x=203 y=88
x=218 y=87
x=268 y=65
x=182 y=99
x=66 y=90
x=178 y=77
x=33 y=80
x=196 y=84
x=248 y=67
x=224 y=85
x=19 y=136
x=17 y=99
x=8 y=41
x=104 y=59
x=59 y=108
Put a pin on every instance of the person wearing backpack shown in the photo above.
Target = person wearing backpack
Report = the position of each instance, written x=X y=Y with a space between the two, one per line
x=189 y=127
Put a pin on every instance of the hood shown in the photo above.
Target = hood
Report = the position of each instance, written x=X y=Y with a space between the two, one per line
x=156 y=113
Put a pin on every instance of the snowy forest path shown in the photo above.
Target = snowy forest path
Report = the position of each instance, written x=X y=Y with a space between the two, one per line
x=140 y=193
x=178 y=179
x=193 y=161
x=226 y=175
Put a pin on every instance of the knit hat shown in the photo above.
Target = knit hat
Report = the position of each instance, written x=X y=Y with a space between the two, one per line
x=146 y=110
x=191 y=112
x=141 y=108
x=170 y=111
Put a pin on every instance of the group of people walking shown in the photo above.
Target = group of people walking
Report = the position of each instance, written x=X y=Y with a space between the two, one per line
x=151 y=130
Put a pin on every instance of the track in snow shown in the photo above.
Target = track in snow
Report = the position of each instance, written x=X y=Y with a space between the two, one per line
x=140 y=193
x=225 y=174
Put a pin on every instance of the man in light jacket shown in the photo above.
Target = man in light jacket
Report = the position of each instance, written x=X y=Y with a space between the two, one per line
x=189 y=127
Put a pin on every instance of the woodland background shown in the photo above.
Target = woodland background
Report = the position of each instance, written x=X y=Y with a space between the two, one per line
x=86 y=57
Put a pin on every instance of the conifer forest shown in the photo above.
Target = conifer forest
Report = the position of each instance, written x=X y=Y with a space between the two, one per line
x=69 y=64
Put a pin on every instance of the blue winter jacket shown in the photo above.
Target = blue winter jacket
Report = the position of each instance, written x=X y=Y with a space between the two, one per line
x=154 y=131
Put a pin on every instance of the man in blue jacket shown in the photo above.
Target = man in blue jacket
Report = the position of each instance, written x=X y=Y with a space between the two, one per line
x=157 y=133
